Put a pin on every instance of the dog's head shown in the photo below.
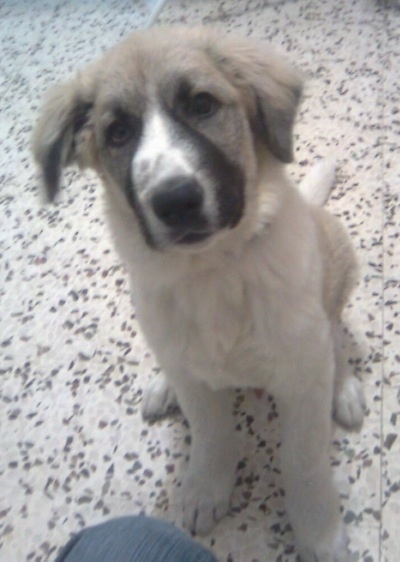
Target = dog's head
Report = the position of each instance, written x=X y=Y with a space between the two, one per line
x=173 y=120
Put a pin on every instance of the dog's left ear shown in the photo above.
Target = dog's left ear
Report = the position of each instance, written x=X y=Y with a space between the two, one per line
x=271 y=89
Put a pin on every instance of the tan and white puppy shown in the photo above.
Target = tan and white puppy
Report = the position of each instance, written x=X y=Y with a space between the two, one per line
x=238 y=281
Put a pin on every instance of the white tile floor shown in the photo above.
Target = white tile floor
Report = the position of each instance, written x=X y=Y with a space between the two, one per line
x=72 y=361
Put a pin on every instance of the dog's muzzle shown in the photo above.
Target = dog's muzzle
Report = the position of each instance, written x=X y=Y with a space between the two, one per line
x=178 y=203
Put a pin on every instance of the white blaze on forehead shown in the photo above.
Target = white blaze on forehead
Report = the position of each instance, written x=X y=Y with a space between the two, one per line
x=160 y=154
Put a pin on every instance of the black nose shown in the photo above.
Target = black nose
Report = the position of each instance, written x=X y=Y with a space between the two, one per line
x=178 y=202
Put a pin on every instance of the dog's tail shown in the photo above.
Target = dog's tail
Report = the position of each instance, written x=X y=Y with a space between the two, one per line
x=317 y=184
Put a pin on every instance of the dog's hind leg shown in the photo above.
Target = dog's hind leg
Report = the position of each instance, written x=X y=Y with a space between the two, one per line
x=348 y=399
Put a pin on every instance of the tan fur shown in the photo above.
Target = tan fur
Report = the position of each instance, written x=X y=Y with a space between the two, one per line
x=338 y=255
x=257 y=306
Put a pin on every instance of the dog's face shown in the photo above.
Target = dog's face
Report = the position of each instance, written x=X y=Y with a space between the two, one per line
x=173 y=142
x=172 y=119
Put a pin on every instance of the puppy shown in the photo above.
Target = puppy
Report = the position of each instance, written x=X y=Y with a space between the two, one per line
x=238 y=280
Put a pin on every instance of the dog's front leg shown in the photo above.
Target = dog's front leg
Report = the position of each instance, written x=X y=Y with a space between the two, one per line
x=210 y=477
x=305 y=410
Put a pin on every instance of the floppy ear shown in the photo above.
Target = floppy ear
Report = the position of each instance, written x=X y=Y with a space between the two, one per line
x=63 y=134
x=271 y=90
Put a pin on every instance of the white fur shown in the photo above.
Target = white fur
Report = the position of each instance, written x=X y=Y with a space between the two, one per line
x=247 y=314
x=254 y=306
x=317 y=184
x=159 y=399
x=158 y=157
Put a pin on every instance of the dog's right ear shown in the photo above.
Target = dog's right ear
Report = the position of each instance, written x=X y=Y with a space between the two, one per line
x=64 y=132
x=270 y=87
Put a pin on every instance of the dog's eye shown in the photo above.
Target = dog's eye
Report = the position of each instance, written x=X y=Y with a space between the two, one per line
x=119 y=133
x=202 y=105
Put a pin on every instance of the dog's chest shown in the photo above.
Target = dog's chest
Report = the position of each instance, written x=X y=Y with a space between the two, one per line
x=204 y=324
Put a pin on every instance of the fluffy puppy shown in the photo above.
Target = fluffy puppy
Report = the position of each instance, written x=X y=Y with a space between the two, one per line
x=238 y=280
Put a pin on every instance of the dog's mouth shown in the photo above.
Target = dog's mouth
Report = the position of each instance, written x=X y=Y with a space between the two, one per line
x=191 y=237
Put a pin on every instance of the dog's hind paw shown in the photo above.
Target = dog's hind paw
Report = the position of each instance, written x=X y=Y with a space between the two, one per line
x=159 y=399
x=349 y=403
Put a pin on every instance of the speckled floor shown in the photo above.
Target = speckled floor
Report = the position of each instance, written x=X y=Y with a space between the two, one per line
x=73 y=363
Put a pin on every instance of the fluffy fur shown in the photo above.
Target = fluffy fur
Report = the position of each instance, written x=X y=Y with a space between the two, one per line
x=247 y=289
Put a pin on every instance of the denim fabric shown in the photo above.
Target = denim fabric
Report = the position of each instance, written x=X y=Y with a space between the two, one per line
x=133 y=539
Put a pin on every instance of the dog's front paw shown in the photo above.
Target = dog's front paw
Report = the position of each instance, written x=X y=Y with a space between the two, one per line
x=334 y=551
x=205 y=501
x=349 y=405
x=158 y=399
